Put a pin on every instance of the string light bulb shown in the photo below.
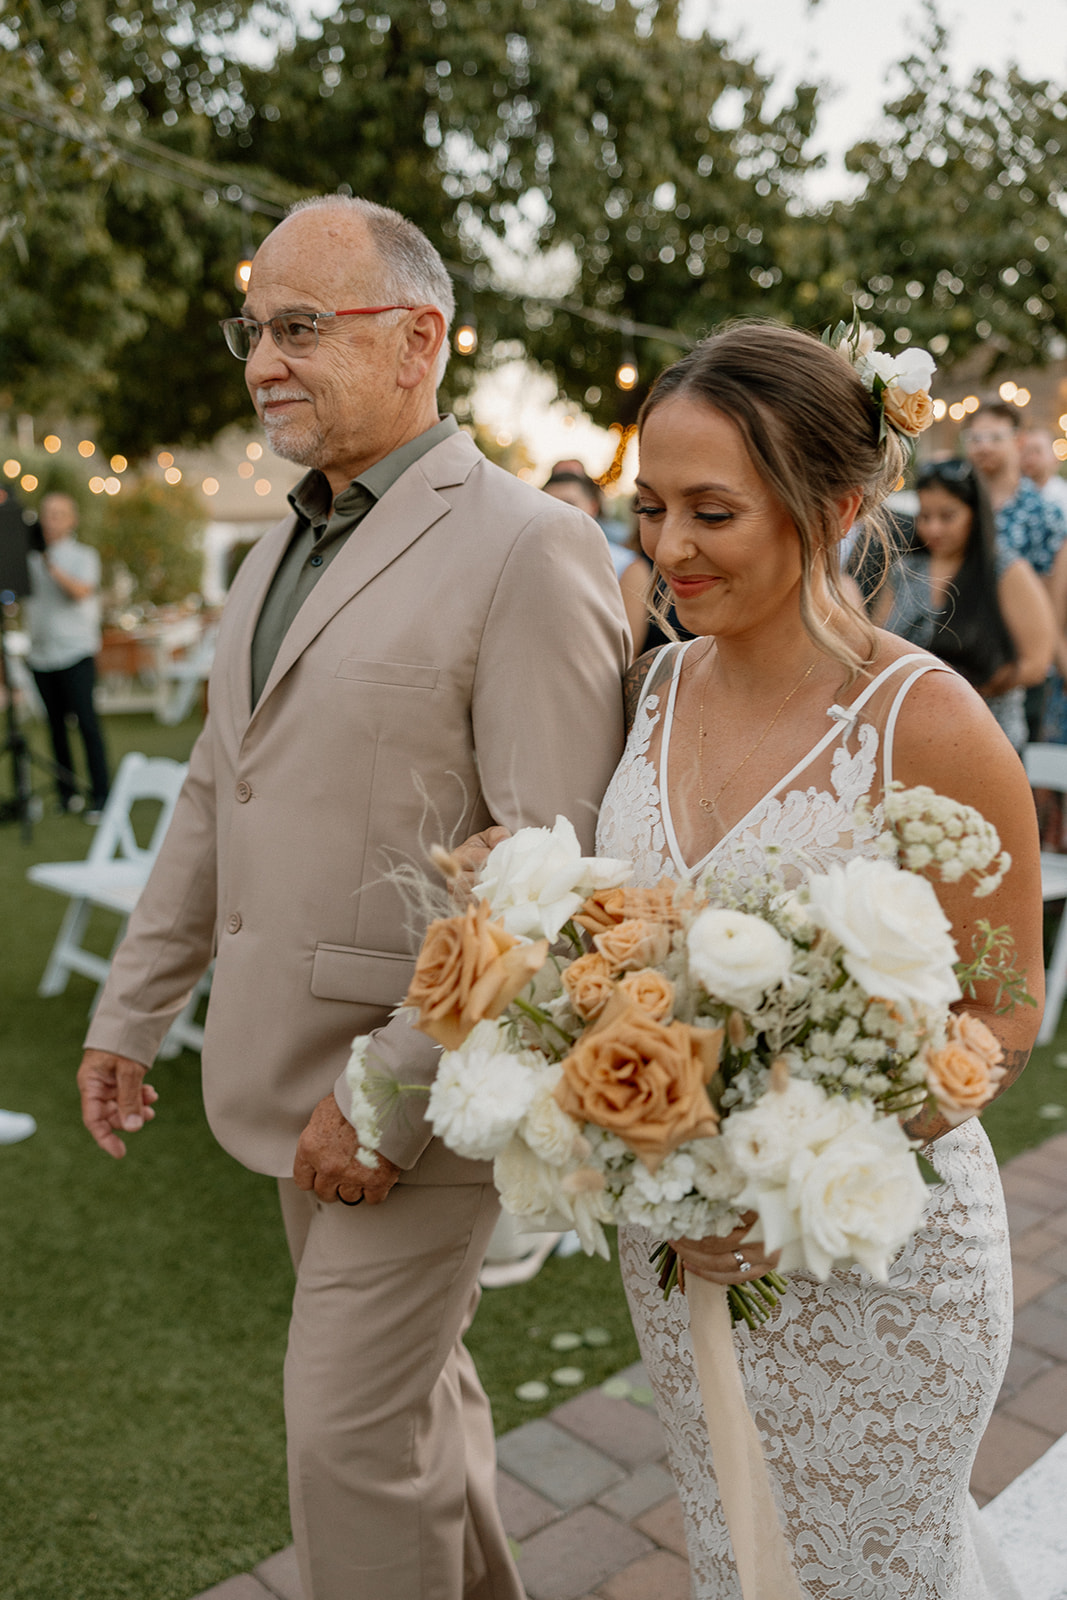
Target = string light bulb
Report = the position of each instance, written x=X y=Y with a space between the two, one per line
x=465 y=339
x=626 y=373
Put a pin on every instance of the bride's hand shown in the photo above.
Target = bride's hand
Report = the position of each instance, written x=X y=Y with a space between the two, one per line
x=467 y=859
x=717 y=1258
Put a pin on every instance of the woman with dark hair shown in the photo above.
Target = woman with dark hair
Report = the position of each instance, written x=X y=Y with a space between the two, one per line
x=975 y=605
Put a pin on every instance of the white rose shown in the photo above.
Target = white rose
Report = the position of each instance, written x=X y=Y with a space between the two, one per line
x=762 y=1141
x=536 y=880
x=914 y=370
x=481 y=1093
x=896 y=939
x=881 y=364
x=860 y=1199
x=737 y=958
x=546 y=1127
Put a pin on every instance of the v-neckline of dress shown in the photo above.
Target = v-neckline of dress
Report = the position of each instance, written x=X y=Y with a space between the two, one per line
x=843 y=717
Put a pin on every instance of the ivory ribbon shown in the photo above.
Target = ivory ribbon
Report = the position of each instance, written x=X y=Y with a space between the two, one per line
x=764 y=1564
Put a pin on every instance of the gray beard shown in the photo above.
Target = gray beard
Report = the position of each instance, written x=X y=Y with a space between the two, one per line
x=304 y=446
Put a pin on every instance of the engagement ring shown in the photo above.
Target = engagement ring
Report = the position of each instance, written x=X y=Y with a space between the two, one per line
x=742 y=1264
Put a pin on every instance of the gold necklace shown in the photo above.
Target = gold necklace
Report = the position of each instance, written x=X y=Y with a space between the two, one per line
x=709 y=805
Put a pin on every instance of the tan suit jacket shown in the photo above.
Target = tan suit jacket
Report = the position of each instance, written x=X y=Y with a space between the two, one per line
x=458 y=663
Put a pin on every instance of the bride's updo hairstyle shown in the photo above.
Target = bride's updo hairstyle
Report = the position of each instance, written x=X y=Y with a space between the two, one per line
x=811 y=429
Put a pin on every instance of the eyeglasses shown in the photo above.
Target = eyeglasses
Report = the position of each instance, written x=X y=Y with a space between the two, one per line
x=296 y=333
x=953 y=471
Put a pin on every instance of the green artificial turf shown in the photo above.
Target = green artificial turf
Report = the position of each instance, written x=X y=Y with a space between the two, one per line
x=143 y=1303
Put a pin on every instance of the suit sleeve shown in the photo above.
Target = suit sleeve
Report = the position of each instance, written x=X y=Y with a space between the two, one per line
x=547 y=718
x=170 y=939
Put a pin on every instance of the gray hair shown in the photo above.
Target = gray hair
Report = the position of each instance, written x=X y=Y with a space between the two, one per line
x=413 y=270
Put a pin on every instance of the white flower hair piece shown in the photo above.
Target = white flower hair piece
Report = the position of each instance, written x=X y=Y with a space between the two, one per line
x=899 y=385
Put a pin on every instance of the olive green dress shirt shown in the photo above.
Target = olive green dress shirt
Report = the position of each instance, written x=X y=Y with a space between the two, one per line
x=321 y=531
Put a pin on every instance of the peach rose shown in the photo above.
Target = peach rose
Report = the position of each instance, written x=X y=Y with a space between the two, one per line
x=908 y=413
x=589 y=985
x=642 y=1080
x=963 y=1074
x=651 y=991
x=469 y=970
x=633 y=944
x=608 y=907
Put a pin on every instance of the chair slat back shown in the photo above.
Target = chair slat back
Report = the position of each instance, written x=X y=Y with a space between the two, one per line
x=139 y=777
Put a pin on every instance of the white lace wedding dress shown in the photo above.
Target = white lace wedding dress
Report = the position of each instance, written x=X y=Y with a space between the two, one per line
x=870 y=1399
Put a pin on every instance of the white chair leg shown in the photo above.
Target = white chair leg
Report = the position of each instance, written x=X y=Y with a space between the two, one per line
x=1055 y=984
x=58 y=970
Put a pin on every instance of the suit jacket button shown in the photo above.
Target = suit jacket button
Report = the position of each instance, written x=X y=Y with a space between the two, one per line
x=233 y=922
x=243 y=791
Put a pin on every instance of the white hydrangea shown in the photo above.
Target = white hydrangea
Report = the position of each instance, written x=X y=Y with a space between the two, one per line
x=363 y=1111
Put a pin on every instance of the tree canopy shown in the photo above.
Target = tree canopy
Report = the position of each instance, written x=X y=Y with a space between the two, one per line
x=590 y=175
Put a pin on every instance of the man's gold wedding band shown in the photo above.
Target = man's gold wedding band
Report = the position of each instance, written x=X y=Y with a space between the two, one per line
x=345 y=1202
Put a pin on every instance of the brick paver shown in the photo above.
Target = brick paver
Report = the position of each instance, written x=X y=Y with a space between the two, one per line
x=586 y=1492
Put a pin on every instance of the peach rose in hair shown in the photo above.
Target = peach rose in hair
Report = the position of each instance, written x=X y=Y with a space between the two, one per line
x=642 y=1080
x=908 y=413
x=469 y=970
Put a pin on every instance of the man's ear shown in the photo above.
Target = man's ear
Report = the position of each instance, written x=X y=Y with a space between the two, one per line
x=423 y=338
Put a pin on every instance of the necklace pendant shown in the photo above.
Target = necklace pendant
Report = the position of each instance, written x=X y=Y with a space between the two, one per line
x=707 y=805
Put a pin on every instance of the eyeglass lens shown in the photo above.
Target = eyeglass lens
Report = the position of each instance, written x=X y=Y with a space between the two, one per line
x=294 y=335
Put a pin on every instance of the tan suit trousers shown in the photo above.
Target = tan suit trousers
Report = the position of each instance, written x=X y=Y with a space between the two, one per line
x=392 y=1462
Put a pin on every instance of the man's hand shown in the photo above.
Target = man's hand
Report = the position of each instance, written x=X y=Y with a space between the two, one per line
x=327 y=1160
x=470 y=857
x=114 y=1095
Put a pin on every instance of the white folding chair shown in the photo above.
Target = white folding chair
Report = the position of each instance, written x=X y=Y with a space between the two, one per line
x=112 y=876
x=1046 y=768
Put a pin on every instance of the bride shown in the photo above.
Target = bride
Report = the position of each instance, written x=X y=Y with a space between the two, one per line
x=748 y=751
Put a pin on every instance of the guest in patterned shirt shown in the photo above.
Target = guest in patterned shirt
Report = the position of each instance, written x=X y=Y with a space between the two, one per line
x=1028 y=524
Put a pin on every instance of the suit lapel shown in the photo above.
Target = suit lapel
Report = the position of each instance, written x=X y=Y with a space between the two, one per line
x=403 y=515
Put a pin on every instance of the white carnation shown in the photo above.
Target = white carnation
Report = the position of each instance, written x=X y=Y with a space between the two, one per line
x=481 y=1093
x=528 y=1186
x=546 y=1127
x=737 y=958
x=536 y=880
x=896 y=940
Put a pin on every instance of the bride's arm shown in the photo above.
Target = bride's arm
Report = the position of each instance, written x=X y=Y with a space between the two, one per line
x=946 y=738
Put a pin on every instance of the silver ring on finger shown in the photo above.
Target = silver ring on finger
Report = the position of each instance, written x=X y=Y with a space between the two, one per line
x=345 y=1202
x=742 y=1264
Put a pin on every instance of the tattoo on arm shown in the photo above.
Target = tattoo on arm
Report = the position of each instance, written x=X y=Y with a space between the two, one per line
x=633 y=684
x=930 y=1124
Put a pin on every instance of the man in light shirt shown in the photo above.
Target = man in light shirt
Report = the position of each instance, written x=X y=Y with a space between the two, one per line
x=1038 y=462
x=63 y=619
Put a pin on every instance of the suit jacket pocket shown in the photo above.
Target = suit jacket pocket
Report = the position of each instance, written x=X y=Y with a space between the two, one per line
x=363 y=977
x=399 y=674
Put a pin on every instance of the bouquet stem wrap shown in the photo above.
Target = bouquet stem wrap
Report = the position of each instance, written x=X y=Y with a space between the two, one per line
x=764 y=1564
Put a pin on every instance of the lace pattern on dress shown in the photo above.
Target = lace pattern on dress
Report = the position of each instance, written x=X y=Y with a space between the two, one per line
x=870 y=1399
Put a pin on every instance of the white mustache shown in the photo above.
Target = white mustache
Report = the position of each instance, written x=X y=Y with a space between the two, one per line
x=265 y=395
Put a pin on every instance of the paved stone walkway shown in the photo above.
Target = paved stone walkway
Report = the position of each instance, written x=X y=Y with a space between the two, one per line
x=585 y=1491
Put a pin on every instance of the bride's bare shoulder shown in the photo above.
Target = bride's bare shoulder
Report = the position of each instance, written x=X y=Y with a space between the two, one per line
x=946 y=736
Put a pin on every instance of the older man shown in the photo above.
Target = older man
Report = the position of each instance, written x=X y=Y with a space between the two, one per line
x=425 y=646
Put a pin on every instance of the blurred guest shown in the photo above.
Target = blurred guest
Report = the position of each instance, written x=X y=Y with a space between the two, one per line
x=974 y=604
x=1039 y=462
x=1027 y=523
x=569 y=481
x=63 y=620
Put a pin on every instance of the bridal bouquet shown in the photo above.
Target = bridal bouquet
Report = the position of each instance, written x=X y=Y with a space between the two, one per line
x=702 y=1050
